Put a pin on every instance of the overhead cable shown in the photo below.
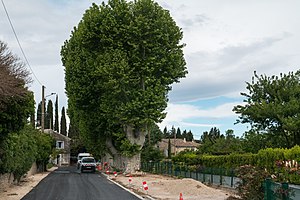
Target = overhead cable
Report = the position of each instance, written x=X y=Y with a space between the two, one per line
x=12 y=27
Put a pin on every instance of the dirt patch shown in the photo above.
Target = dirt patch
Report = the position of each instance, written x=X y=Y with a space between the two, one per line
x=167 y=188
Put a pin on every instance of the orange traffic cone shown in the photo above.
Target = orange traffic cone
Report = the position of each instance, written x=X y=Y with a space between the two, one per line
x=180 y=196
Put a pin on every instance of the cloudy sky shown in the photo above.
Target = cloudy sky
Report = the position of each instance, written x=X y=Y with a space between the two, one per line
x=225 y=42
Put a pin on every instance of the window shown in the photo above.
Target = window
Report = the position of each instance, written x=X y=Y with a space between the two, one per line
x=59 y=144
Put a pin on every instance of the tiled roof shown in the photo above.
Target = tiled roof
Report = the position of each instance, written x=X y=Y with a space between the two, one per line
x=178 y=143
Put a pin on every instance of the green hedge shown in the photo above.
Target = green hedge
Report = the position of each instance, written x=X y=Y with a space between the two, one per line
x=265 y=158
x=22 y=149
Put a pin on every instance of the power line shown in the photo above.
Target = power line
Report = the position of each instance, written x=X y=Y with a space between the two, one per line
x=12 y=27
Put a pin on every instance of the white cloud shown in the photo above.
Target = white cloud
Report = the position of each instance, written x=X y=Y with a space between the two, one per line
x=179 y=114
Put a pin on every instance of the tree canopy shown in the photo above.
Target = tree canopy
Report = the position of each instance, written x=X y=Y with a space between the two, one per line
x=120 y=62
x=272 y=108
x=16 y=101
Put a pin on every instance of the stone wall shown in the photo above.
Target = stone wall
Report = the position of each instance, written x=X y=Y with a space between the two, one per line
x=7 y=179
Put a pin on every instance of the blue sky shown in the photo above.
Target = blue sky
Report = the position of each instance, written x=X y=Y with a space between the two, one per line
x=225 y=42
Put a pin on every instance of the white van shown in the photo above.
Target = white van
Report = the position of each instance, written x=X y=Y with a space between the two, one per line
x=80 y=156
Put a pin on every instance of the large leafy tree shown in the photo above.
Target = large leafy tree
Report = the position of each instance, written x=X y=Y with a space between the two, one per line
x=16 y=106
x=272 y=108
x=16 y=101
x=120 y=63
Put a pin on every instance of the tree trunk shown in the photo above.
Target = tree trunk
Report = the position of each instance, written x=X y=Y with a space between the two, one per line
x=128 y=164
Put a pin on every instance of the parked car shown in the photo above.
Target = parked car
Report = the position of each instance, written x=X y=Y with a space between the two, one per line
x=88 y=164
x=80 y=156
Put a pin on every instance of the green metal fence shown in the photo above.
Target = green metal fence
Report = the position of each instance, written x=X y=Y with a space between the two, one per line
x=223 y=177
x=280 y=191
x=215 y=176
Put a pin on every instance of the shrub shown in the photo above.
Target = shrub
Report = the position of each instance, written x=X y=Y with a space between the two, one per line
x=250 y=186
x=22 y=149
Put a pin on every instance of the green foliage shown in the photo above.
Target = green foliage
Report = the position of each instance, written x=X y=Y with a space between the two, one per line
x=266 y=158
x=49 y=116
x=14 y=113
x=22 y=149
x=120 y=63
x=188 y=157
x=215 y=143
x=39 y=115
x=272 y=107
x=124 y=145
x=45 y=145
x=56 y=122
x=151 y=154
x=63 y=122
x=155 y=135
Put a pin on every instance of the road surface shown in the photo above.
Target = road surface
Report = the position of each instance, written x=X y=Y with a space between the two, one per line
x=67 y=183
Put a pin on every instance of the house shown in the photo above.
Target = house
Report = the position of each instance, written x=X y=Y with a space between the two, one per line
x=62 y=146
x=177 y=145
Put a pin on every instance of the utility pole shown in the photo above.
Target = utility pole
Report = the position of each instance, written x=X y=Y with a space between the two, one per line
x=174 y=142
x=43 y=108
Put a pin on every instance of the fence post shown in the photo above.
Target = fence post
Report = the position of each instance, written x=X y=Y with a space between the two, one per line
x=204 y=175
x=267 y=189
x=221 y=176
x=231 y=184
x=285 y=189
x=212 y=175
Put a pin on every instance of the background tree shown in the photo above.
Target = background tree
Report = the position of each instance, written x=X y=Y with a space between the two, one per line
x=217 y=144
x=152 y=153
x=172 y=132
x=184 y=134
x=166 y=133
x=19 y=142
x=63 y=122
x=56 y=122
x=189 y=136
x=272 y=108
x=16 y=101
x=120 y=63
x=49 y=116
x=32 y=120
x=39 y=115
x=178 y=133
x=253 y=141
x=169 y=149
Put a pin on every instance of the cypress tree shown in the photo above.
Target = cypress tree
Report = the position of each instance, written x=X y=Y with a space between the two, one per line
x=63 y=123
x=178 y=133
x=56 y=124
x=165 y=133
x=39 y=115
x=49 y=116
x=169 y=148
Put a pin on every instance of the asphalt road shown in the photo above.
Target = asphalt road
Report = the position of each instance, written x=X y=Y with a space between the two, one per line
x=67 y=183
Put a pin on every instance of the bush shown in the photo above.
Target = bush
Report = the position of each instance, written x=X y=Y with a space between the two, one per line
x=151 y=154
x=250 y=186
x=22 y=149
